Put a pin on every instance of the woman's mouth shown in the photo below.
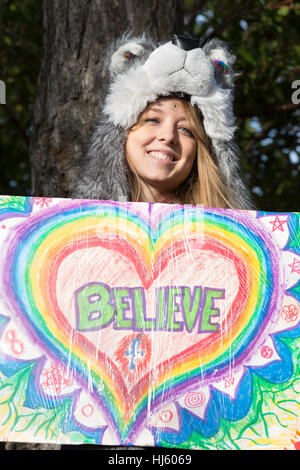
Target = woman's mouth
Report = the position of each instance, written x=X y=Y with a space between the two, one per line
x=161 y=156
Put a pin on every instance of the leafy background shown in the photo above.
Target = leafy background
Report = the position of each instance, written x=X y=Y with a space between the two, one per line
x=263 y=34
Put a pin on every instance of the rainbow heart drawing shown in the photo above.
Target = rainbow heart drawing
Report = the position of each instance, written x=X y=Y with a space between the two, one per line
x=143 y=324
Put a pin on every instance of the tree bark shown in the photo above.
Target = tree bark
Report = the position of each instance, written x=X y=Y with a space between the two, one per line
x=72 y=77
x=71 y=85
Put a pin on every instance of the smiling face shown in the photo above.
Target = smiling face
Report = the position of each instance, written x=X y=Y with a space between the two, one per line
x=161 y=148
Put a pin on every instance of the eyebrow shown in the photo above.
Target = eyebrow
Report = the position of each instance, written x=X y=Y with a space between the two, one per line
x=155 y=108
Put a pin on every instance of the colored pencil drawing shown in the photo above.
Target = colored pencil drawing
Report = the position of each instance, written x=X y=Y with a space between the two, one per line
x=148 y=324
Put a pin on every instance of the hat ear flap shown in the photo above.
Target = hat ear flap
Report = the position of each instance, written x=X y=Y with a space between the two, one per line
x=124 y=56
x=223 y=61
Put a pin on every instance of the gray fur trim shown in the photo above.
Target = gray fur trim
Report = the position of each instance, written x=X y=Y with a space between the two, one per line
x=102 y=173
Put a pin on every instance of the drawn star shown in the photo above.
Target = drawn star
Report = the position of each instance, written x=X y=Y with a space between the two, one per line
x=295 y=266
x=43 y=201
x=278 y=224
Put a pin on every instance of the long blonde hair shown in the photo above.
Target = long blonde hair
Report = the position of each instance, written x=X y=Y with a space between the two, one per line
x=205 y=184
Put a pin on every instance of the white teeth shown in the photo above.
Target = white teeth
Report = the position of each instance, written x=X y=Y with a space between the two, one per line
x=161 y=156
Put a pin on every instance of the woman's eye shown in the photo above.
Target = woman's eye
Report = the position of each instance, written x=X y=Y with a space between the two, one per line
x=187 y=131
x=151 y=120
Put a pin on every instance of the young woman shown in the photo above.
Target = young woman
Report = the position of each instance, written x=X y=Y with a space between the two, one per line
x=166 y=128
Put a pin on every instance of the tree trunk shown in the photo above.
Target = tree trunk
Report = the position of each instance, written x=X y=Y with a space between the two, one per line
x=72 y=77
x=71 y=83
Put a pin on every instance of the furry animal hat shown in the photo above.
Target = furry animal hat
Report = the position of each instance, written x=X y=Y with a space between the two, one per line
x=141 y=72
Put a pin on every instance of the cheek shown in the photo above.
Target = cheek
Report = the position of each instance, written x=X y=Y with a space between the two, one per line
x=133 y=144
x=190 y=158
x=133 y=152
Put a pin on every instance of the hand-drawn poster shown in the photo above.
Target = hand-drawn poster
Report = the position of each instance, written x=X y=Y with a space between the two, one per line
x=148 y=325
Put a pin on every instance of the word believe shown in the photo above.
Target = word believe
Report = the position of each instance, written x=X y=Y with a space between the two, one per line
x=176 y=308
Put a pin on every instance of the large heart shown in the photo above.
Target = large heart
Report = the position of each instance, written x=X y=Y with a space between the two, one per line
x=189 y=294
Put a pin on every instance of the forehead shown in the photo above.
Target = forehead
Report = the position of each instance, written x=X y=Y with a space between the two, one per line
x=164 y=105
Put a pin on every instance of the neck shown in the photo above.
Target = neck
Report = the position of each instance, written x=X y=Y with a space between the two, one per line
x=150 y=194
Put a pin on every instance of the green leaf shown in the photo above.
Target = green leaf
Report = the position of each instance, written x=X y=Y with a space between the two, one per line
x=78 y=438
x=13 y=391
x=15 y=204
x=283 y=11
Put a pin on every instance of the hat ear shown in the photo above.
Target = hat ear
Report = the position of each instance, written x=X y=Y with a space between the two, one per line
x=222 y=60
x=127 y=51
x=125 y=56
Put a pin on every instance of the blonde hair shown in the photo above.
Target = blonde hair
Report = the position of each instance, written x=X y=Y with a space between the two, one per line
x=205 y=184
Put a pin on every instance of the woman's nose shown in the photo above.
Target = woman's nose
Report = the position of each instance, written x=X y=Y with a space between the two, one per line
x=167 y=133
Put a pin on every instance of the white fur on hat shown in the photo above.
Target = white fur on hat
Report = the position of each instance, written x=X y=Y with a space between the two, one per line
x=170 y=69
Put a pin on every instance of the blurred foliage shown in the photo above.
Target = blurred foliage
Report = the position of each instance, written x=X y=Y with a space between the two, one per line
x=263 y=34
x=20 y=44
